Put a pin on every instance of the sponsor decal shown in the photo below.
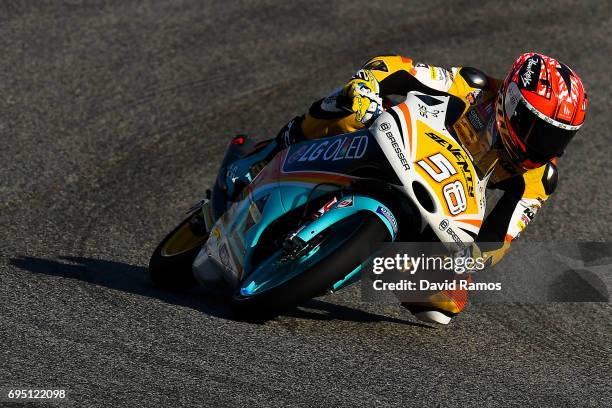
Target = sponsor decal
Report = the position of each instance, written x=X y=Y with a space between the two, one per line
x=328 y=206
x=347 y=202
x=384 y=126
x=460 y=160
x=456 y=238
x=448 y=77
x=387 y=214
x=526 y=217
x=438 y=74
x=232 y=172
x=424 y=112
x=444 y=225
x=475 y=120
x=483 y=199
x=330 y=103
x=346 y=148
x=530 y=72
x=298 y=153
x=565 y=113
x=332 y=154
x=398 y=150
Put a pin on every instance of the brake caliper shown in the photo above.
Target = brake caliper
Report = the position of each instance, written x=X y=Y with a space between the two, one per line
x=295 y=246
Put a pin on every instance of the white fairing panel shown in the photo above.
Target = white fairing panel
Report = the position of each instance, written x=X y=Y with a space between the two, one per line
x=205 y=269
x=415 y=140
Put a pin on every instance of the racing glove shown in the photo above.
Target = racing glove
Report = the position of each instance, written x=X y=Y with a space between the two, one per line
x=361 y=96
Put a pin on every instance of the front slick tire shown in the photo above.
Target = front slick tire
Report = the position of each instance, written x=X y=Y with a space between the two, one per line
x=316 y=280
x=170 y=264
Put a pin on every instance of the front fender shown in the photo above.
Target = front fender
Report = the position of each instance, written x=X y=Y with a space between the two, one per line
x=346 y=207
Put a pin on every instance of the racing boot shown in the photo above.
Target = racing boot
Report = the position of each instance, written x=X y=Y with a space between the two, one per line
x=429 y=314
x=439 y=308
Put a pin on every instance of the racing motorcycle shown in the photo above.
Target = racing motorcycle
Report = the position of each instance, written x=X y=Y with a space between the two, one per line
x=307 y=223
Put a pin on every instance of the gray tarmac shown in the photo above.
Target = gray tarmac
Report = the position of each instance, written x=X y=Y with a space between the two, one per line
x=113 y=119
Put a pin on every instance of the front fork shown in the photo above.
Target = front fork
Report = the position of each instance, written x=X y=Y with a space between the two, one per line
x=204 y=219
x=307 y=236
x=346 y=207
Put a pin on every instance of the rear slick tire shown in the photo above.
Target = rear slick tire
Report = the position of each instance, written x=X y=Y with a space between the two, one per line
x=316 y=280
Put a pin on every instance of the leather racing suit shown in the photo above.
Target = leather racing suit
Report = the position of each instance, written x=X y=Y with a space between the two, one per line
x=523 y=192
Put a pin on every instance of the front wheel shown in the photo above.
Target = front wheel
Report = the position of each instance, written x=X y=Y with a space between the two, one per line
x=170 y=264
x=346 y=247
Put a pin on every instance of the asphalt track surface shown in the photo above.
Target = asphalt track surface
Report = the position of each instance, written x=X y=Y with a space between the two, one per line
x=113 y=119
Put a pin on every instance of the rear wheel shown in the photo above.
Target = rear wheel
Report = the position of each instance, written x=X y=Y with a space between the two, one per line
x=170 y=264
x=338 y=261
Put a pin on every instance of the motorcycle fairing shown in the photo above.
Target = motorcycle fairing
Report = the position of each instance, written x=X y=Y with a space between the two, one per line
x=286 y=183
x=409 y=143
x=268 y=274
x=436 y=172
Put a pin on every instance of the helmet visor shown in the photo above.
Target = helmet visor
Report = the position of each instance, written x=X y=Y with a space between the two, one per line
x=543 y=138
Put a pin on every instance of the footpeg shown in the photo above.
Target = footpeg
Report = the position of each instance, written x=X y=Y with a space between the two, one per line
x=207 y=214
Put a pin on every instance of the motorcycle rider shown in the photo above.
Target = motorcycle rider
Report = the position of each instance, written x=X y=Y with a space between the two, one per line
x=525 y=120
